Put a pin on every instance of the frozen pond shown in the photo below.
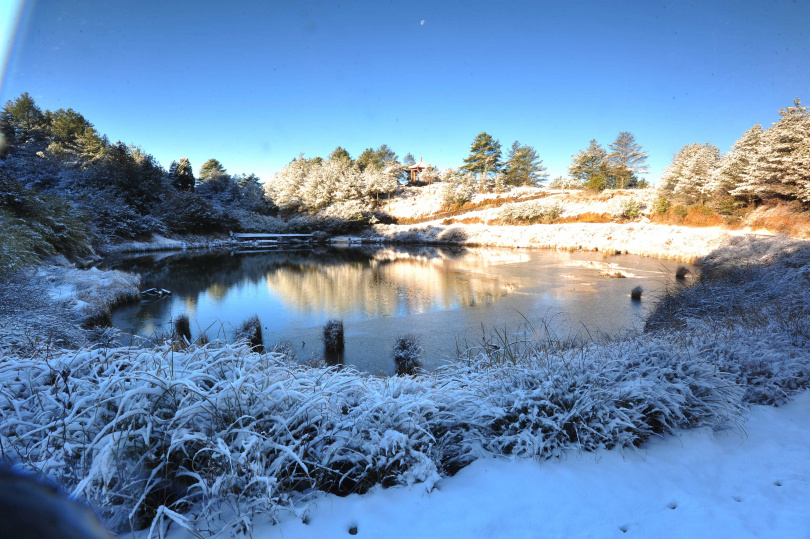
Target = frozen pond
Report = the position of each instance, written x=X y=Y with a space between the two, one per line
x=448 y=297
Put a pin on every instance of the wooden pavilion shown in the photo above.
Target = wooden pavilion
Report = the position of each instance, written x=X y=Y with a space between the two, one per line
x=417 y=168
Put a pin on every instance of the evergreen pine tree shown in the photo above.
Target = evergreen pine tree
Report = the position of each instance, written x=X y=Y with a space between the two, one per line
x=485 y=156
x=181 y=175
x=778 y=168
x=591 y=167
x=211 y=168
x=735 y=175
x=524 y=166
x=20 y=118
x=627 y=160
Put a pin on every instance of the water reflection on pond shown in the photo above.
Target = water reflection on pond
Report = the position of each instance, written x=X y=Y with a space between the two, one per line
x=443 y=295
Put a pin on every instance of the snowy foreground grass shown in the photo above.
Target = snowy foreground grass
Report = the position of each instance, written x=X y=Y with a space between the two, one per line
x=219 y=438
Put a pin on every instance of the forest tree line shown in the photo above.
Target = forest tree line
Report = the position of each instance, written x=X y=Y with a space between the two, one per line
x=66 y=188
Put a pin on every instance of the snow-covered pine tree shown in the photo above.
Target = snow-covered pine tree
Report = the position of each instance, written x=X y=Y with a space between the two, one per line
x=779 y=171
x=591 y=167
x=627 y=159
x=689 y=177
x=735 y=175
x=524 y=166
x=485 y=156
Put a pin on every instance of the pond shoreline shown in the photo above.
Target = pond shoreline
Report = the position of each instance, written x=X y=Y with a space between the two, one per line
x=672 y=242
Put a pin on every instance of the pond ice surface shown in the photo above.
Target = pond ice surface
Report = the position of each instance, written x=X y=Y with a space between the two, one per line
x=448 y=297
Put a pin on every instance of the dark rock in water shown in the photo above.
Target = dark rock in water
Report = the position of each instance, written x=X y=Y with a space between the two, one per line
x=32 y=509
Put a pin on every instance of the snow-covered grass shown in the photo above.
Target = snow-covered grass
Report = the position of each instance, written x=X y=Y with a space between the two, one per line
x=696 y=484
x=188 y=436
x=211 y=436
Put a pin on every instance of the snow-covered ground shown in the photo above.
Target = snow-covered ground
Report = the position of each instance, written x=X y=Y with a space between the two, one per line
x=659 y=241
x=753 y=482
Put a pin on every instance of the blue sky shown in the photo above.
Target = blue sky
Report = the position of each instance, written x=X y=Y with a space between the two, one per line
x=253 y=83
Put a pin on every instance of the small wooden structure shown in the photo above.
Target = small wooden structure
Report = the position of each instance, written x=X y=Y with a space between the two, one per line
x=256 y=240
x=417 y=168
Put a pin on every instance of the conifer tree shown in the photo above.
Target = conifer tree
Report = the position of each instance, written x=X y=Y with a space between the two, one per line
x=485 y=156
x=689 y=177
x=778 y=168
x=211 y=168
x=524 y=166
x=627 y=160
x=181 y=175
x=735 y=175
x=20 y=118
x=591 y=167
x=340 y=153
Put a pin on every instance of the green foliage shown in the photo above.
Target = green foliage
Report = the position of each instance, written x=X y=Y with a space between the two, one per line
x=661 y=205
x=20 y=119
x=33 y=226
x=340 y=153
x=627 y=160
x=380 y=158
x=181 y=175
x=590 y=167
x=524 y=166
x=210 y=168
x=485 y=156
x=631 y=209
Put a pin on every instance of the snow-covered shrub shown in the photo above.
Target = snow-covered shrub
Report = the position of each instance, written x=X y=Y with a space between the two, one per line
x=530 y=213
x=408 y=355
x=455 y=234
x=188 y=213
x=631 y=209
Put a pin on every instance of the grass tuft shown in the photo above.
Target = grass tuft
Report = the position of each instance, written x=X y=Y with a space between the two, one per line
x=408 y=355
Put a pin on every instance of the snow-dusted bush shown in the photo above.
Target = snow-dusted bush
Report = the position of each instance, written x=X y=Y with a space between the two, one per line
x=530 y=213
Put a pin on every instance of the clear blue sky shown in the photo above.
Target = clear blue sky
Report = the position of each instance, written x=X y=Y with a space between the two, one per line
x=253 y=83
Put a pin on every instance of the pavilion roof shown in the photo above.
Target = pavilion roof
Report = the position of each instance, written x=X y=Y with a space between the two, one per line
x=421 y=165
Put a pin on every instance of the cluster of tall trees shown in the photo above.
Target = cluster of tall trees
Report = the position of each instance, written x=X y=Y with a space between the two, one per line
x=619 y=168
x=122 y=190
x=763 y=165
x=523 y=165
x=314 y=184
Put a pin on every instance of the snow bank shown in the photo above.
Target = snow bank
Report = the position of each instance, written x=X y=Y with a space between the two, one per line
x=91 y=293
x=645 y=239
x=160 y=243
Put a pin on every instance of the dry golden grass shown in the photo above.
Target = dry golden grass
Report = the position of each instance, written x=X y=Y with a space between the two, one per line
x=588 y=217
x=695 y=216
x=790 y=219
